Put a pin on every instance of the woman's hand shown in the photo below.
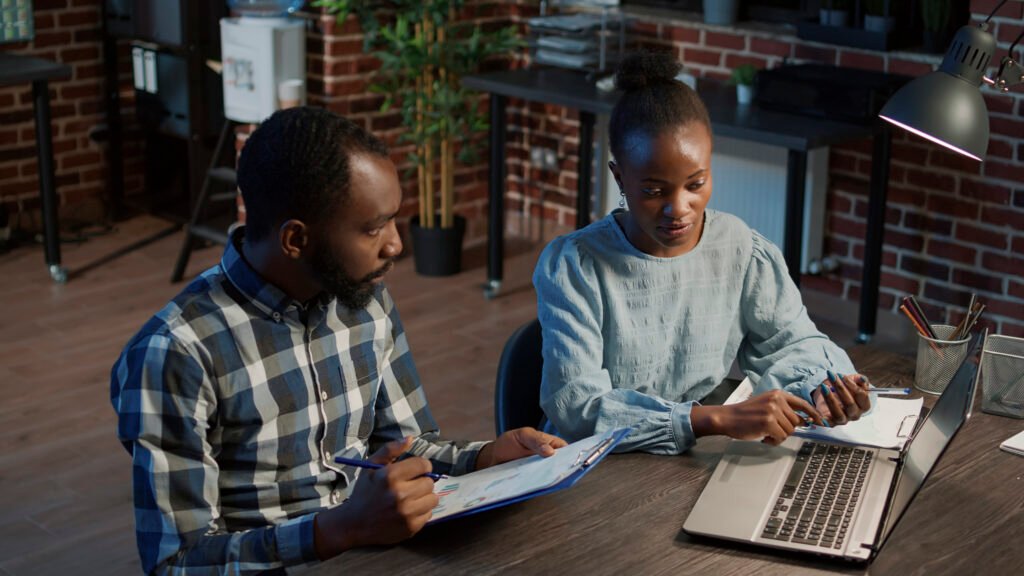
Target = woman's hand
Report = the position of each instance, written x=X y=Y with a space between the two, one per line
x=516 y=444
x=771 y=417
x=842 y=399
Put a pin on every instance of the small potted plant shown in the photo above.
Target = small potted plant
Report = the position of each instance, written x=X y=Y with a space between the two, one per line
x=935 y=16
x=833 y=13
x=743 y=77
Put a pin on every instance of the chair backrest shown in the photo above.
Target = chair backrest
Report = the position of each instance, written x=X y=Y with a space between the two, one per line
x=517 y=390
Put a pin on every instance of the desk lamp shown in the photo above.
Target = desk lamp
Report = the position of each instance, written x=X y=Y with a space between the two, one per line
x=946 y=106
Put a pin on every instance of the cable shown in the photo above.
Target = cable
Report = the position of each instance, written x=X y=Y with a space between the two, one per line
x=994 y=10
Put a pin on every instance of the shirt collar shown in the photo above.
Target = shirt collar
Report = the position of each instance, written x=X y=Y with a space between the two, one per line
x=267 y=297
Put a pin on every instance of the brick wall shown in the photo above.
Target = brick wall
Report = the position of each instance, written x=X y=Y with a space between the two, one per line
x=67 y=31
x=953 y=226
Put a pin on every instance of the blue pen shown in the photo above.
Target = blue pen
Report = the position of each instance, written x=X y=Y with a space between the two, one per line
x=890 y=391
x=825 y=393
x=374 y=466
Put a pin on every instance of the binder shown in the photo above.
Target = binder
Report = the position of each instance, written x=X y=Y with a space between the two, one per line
x=522 y=479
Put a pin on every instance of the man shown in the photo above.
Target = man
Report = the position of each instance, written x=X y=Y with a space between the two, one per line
x=235 y=398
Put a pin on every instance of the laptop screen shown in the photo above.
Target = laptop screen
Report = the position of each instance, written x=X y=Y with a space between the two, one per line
x=948 y=414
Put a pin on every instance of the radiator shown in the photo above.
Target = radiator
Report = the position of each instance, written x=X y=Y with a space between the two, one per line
x=750 y=182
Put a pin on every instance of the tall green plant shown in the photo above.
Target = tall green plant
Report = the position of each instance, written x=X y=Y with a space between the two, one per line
x=424 y=50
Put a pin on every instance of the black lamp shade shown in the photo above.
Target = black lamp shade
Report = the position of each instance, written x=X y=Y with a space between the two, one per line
x=946 y=106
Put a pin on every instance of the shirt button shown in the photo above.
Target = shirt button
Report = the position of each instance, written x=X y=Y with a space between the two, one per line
x=276 y=316
x=323 y=396
x=335 y=497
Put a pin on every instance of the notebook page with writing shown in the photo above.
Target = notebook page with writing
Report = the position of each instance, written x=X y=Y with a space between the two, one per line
x=888 y=424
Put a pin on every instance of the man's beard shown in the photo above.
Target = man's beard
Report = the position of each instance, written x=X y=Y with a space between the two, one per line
x=352 y=293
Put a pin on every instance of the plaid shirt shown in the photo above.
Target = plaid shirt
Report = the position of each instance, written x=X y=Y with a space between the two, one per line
x=233 y=402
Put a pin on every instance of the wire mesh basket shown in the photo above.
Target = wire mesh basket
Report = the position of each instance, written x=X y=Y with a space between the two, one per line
x=1002 y=376
x=938 y=359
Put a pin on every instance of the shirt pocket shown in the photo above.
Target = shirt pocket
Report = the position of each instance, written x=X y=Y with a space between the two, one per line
x=360 y=385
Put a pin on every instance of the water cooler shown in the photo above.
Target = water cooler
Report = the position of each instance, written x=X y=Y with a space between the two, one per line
x=264 y=58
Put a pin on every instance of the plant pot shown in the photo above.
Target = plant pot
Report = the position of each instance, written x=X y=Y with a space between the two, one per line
x=883 y=24
x=832 y=17
x=437 y=251
x=721 y=12
x=744 y=93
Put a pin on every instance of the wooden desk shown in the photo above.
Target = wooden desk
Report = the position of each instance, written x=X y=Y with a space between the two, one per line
x=626 y=517
x=18 y=69
x=798 y=134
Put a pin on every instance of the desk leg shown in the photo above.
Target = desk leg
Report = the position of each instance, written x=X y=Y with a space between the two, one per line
x=875 y=236
x=793 y=239
x=584 y=169
x=496 y=200
x=47 y=184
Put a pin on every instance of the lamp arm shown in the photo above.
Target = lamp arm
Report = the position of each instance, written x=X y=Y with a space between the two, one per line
x=1010 y=73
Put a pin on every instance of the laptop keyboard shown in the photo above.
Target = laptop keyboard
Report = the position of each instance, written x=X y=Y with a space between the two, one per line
x=820 y=495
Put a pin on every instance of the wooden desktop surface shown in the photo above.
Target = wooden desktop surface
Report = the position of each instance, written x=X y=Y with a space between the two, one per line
x=626 y=517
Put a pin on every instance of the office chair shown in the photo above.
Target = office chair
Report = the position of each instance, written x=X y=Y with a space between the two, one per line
x=517 y=389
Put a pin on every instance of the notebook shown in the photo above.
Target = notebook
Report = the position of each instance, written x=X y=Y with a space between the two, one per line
x=521 y=479
x=827 y=498
x=1014 y=444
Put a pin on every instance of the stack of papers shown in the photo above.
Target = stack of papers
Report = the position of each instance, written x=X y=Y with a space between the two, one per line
x=889 y=423
x=1015 y=445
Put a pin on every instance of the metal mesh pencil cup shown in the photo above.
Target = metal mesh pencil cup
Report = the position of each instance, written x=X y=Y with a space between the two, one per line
x=938 y=359
x=1002 y=376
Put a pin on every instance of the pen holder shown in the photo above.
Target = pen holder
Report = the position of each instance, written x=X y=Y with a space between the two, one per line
x=1002 y=376
x=938 y=359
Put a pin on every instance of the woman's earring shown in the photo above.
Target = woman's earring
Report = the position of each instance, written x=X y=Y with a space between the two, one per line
x=622 y=200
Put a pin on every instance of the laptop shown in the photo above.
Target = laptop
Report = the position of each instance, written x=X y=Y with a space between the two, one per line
x=829 y=499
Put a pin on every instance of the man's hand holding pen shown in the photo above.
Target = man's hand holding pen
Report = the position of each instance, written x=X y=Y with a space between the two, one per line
x=842 y=398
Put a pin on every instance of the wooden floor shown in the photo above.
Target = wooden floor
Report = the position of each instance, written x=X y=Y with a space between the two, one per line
x=65 y=493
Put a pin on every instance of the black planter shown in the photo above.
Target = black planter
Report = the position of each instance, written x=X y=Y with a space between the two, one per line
x=437 y=251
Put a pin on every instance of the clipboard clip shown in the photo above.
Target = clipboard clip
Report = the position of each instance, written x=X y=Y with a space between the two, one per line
x=907 y=425
x=594 y=454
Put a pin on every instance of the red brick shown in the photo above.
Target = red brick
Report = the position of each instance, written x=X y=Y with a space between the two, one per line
x=942 y=158
x=815 y=54
x=958 y=208
x=931 y=180
x=984 y=191
x=767 y=47
x=681 y=34
x=922 y=267
x=1007 y=127
x=997 y=216
x=1011 y=329
x=1016 y=289
x=912 y=242
x=986 y=282
x=734 y=60
x=998 y=103
x=1013 y=265
x=705 y=57
x=1000 y=307
x=901 y=283
x=72 y=18
x=909 y=67
x=1004 y=171
x=724 y=40
x=822 y=284
x=861 y=60
x=909 y=153
x=644 y=29
x=952 y=251
x=79 y=54
x=946 y=295
x=976 y=235
x=1018 y=198
x=904 y=195
x=846 y=226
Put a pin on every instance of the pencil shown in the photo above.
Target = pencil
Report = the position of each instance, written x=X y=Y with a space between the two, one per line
x=920 y=329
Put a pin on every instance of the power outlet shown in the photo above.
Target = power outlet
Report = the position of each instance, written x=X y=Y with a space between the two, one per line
x=544 y=158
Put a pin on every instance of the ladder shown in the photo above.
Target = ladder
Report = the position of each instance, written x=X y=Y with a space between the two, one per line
x=197 y=229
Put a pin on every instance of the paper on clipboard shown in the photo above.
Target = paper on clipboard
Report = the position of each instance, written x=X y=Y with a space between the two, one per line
x=889 y=424
x=521 y=479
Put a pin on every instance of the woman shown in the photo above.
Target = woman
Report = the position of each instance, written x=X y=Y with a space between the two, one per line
x=644 y=311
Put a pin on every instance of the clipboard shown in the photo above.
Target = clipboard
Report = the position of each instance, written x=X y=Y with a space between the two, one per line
x=522 y=479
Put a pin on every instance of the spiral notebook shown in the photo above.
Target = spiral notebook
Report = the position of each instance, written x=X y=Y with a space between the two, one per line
x=522 y=479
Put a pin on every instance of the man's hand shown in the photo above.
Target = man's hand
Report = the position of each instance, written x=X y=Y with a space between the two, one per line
x=846 y=400
x=386 y=505
x=771 y=416
x=516 y=444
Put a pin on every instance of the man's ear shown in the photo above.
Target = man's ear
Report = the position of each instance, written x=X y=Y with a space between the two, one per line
x=294 y=238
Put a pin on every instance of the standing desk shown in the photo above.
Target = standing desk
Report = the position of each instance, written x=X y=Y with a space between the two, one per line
x=18 y=69
x=626 y=517
x=798 y=134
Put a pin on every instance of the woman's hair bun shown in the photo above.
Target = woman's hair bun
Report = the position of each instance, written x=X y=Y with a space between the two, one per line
x=643 y=69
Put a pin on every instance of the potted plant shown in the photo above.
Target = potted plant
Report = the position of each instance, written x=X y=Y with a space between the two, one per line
x=721 y=12
x=833 y=13
x=424 y=50
x=743 y=77
x=878 y=16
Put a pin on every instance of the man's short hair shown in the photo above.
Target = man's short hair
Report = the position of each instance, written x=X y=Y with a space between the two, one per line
x=296 y=165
